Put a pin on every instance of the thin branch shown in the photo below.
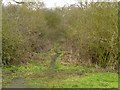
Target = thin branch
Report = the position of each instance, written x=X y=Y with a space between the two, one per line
x=18 y=2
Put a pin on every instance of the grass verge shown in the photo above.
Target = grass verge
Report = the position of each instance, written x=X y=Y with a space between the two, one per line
x=39 y=75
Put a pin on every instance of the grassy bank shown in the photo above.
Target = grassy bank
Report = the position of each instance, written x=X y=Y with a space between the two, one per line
x=39 y=75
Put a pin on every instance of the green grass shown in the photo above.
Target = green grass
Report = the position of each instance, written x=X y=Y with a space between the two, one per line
x=96 y=80
x=8 y=75
x=39 y=75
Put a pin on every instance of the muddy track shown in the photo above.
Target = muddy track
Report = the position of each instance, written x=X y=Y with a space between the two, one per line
x=18 y=82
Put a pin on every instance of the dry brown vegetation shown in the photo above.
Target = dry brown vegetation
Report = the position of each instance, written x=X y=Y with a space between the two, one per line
x=87 y=34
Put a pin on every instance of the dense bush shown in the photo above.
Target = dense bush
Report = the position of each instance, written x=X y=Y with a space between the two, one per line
x=87 y=34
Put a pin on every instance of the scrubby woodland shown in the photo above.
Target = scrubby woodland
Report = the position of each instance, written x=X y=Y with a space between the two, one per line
x=85 y=34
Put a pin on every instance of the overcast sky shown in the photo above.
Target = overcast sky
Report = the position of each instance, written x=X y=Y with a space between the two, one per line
x=49 y=3
x=54 y=3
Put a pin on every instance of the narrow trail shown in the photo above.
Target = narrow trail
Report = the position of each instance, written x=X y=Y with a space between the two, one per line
x=18 y=82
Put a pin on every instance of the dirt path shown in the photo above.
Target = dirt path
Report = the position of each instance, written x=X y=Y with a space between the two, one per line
x=19 y=82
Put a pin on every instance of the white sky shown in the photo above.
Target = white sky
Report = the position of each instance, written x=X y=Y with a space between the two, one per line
x=54 y=3
x=49 y=3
